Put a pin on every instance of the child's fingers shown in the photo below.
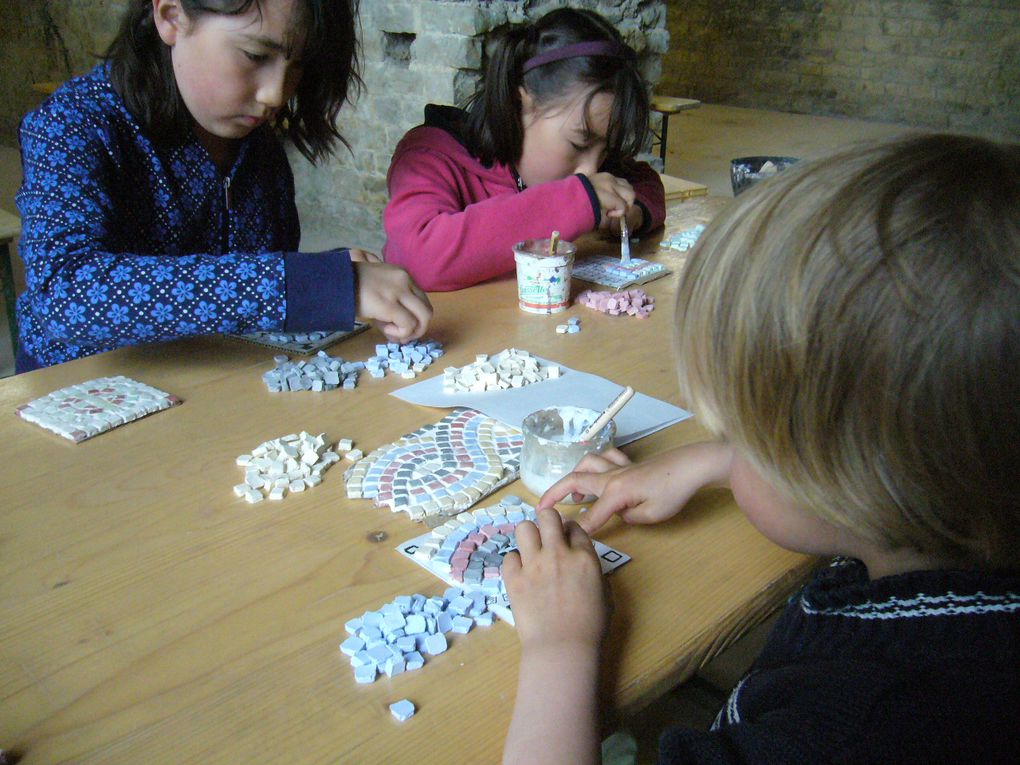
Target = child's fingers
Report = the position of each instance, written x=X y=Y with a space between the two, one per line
x=362 y=256
x=577 y=538
x=602 y=462
x=572 y=483
x=600 y=512
x=418 y=305
x=529 y=541
x=403 y=324
x=550 y=525
x=511 y=568
x=617 y=457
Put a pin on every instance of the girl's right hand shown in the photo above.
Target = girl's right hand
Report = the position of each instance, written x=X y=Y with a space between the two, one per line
x=616 y=196
x=363 y=256
x=650 y=492
x=388 y=296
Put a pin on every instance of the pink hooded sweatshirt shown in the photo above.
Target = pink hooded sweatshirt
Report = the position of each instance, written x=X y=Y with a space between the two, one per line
x=452 y=222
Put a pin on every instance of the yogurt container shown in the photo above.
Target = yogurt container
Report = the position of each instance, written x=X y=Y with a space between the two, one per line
x=543 y=278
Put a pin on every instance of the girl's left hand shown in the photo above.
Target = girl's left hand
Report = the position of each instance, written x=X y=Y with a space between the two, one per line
x=556 y=587
x=361 y=256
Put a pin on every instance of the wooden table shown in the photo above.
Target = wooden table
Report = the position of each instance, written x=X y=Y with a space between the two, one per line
x=150 y=616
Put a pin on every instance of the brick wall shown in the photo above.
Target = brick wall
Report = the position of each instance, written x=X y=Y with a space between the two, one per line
x=952 y=64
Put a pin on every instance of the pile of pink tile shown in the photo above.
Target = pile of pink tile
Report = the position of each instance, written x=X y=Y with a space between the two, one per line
x=628 y=302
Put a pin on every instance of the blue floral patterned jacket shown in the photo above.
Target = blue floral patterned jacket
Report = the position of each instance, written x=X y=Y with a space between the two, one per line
x=126 y=241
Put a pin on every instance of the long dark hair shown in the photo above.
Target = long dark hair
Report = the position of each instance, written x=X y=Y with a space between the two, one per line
x=141 y=72
x=493 y=129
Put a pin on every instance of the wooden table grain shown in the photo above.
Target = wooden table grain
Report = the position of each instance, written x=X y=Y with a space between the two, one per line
x=149 y=616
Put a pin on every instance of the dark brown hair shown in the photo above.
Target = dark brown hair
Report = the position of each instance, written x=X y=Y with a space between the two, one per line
x=141 y=72
x=493 y=129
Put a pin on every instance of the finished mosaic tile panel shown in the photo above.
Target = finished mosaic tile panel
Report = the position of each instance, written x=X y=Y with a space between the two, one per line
x=441 y=468
x=81 y=411
x=300 y=342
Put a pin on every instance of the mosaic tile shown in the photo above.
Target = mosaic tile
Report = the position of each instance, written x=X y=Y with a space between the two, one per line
x=441 y=468
x=79 y=412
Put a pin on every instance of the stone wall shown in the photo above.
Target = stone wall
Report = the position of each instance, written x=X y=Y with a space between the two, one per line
x=47 y=41
x=952 y=64
x=939 y=63
x=415 y=52
x=419 y=52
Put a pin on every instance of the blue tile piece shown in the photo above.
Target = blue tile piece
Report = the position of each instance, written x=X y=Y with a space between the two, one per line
x=435 y=644
x=402 y=710
x=365 y=673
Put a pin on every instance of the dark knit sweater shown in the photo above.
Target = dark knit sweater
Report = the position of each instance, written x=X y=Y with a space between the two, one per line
x=921 y=667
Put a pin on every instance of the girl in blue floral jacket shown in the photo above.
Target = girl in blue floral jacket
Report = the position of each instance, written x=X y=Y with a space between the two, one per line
x=157 y=199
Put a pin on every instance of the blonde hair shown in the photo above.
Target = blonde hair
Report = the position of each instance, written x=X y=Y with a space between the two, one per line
x=853 y=327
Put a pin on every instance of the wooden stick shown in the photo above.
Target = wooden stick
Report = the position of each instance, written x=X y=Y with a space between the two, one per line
x=624 y=240
x=608 y=414
x=554 y=242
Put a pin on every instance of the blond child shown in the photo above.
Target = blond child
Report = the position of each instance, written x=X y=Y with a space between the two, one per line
x=850 y=334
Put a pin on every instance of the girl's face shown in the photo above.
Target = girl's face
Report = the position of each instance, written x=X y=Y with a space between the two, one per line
x=557 y=143
x=233 y=72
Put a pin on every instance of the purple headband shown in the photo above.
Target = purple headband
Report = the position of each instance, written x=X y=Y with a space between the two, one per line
x=590 y=48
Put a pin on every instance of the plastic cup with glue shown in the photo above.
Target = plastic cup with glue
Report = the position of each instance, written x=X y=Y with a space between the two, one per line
x=543 y=274
x=552 y=447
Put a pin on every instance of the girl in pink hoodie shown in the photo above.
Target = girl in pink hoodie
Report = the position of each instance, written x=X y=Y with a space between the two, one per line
x=546 y=143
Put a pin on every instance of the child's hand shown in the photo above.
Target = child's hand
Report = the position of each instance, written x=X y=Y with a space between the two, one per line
x=392 y=301
x=556 y=588
x=361 y=256
x=649 y=492
x=635 y=219
x=616 y=197
x=559 y=601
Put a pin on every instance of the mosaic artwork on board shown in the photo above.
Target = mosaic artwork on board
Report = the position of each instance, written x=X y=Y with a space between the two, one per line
x=611 y=272
x=79 y=412
x=301 y=342
x=439 y=469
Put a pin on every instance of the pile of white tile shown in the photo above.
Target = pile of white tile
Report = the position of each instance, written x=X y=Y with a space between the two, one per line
x=510 y=368
x=292 y=463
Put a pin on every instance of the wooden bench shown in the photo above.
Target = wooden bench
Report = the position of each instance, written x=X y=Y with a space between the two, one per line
x=667 y=105
x=10 y=227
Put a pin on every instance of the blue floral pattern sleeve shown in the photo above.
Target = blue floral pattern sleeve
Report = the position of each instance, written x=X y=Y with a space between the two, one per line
x=125 y=241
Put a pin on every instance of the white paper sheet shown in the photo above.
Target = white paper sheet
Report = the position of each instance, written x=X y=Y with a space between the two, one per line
x=642 y=416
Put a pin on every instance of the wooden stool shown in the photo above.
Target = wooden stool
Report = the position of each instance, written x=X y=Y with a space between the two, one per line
x=10 y=227
x=667 y=105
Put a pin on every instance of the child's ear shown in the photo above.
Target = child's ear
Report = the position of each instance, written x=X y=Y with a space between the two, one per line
x=527 y=102
x=167 y=16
